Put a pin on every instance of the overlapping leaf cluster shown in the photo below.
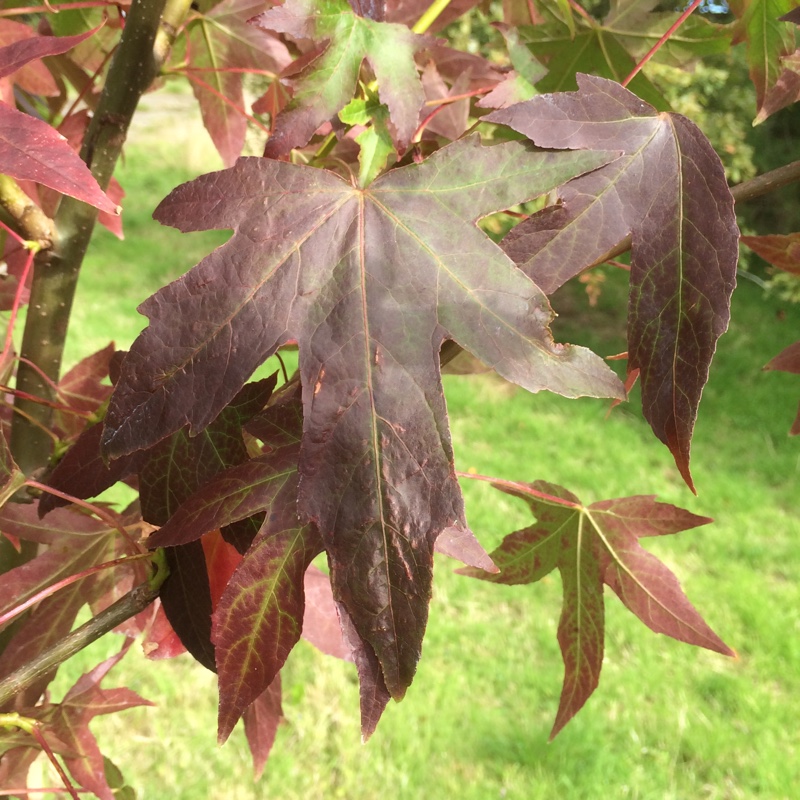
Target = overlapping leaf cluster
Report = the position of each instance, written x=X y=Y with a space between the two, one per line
x=356 y=241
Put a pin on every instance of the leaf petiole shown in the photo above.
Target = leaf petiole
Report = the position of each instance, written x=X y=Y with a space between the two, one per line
x=430 y=16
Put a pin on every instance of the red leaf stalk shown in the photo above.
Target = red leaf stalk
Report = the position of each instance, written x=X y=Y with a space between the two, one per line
x=37 y=734
x=62 y=584
x=520 y=487
x=657 y=46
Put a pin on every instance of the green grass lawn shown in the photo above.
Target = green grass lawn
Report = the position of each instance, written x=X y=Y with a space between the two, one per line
x=668 y=721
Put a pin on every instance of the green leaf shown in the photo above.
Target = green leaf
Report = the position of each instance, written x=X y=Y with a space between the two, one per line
x=767 y=40
x=375 y=142
x=612 y=49
x=326 y=85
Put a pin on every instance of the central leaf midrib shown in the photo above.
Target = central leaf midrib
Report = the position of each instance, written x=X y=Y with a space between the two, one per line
x=377 y=453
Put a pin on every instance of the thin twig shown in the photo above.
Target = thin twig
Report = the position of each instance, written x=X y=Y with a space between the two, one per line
x=62 y=584
x=93 y=509
x=658 y=45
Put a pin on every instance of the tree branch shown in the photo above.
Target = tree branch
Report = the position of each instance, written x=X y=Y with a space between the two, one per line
x=126 y=607
x=32 y=223
x=132 y=70
x=766 y=183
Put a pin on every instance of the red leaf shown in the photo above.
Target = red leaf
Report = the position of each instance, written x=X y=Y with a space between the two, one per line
x=70 y=721
x=261 y=720
x=31 y=150
x=788 y=360
x=83 y=473
x=23 y=521
x=220 y=41
x=453 y=118
x=16 y=55
x=670 y=193
x=186 y=600
x=782 y=252
x=320 y=619
x=222 y=559
x=590 y=546
x=260 y=616
x=786 y=89
x=83 y=390
x=11 y=477
x=161 y=641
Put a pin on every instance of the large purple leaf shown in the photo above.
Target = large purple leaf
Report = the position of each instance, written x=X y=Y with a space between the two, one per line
x=260 y=614
x=370 y=282
x=591 y=546
x=670 y=193
x=172 y=471
x=31 y=150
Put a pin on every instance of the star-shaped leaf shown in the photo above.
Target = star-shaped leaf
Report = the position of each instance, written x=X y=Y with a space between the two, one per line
x=326 y=85
x=370 y=282
x=592 y=546
x=670 y=194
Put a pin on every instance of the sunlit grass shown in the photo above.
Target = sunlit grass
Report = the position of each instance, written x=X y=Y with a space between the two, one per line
x=668 y=721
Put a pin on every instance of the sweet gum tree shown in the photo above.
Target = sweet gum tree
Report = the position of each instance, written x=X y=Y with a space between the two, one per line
x=355 y=242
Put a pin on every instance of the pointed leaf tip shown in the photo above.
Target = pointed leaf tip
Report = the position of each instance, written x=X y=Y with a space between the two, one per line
x=670 y=194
